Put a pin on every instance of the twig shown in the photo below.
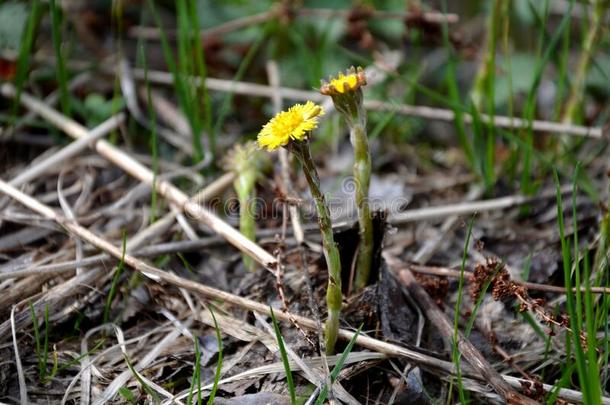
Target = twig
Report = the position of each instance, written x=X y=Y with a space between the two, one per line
x=23 y=392
x=215 y=294
x=142 y=173
x=442 y=324
x=68 y=151
x=69 y=213
x=426 y=251
x=468 y=207
x=440 y=114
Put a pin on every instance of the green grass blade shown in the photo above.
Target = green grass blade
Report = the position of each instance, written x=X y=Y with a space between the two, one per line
x=201 y=72
x=243 y=67
x=570 y=300
x=128 y=395
x=455 y=350
x=25 y=50
x=145 y=387
x=454 y=95
x=338 y=366
x=219 y=363
x=115 y=281
x=185 y=69
x=196 y=380
x=530 y=104
x=62 y=75
x=585 y=303
x=45 y=347
x=183 y=93
x=285 y=361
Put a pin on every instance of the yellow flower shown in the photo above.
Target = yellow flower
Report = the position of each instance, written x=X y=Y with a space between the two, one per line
x=293 y=124
x=344 y=83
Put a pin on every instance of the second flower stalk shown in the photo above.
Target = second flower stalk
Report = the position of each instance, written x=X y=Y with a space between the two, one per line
x=346 y=93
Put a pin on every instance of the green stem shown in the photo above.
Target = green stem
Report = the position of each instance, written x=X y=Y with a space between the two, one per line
x=574 y=104
x=244 y=187
x=485 y=75
x=331 y=253
x=362 y=177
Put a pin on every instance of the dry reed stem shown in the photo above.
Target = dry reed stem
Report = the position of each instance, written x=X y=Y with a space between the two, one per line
x=68 y=151
x=439 y=114
x=23 y=393
x=159 y=275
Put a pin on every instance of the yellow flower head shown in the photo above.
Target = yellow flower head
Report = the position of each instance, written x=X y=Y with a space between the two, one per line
x=293 y=124
x=351 y=81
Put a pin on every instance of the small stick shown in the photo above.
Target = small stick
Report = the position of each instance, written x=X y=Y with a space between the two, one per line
x=442 y=324
x=68 y=151
x=23 y=392
x=427 y=250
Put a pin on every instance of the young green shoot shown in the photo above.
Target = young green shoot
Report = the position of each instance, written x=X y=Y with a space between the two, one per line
x=219 y=363
x=196 y=380
x=115 y=281
x=338 y=366
x=285 y=360
x=455 y=351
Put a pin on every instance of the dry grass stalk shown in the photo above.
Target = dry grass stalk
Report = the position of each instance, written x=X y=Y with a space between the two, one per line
x=432 y=113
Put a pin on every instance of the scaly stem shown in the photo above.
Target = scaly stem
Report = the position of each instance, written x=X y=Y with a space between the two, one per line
x=244 y=187
x=350 y=105
x=331 y=253
x=362 y=177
